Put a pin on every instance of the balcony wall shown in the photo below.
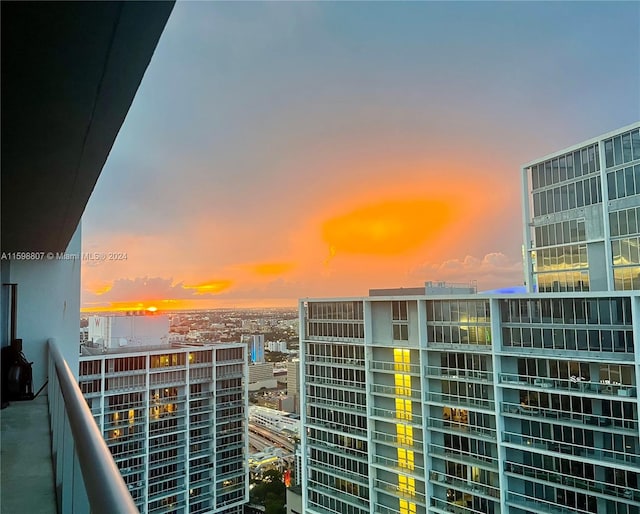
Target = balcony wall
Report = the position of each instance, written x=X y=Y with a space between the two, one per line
x=48 y=305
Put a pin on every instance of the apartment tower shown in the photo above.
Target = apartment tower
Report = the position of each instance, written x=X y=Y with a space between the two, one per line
x=581 y=212
x=176 y=422
x=471 y=404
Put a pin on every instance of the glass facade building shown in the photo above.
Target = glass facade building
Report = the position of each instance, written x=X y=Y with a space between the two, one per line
x=581 y=216
x=176 y=423
x=471 y=404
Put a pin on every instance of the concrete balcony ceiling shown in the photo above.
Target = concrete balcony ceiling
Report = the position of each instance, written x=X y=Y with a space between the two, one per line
x=70 y=71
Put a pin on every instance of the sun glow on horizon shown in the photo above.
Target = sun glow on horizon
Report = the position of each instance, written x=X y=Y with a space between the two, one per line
x=196 y=304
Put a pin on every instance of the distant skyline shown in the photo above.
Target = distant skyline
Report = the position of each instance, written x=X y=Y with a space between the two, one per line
x=279 y=150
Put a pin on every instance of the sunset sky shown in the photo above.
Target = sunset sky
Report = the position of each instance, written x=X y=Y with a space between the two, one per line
x=281 y=150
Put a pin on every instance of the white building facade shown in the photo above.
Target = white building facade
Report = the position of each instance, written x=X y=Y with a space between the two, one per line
x=176 y=422
x=581 y=212
x=273 y=419
x=277 y=346
x=488 y=404
x=114 y=332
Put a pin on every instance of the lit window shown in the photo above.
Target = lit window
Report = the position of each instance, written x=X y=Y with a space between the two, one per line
x=404 y=409
x=406 y=459
x=405 y=434
x=407 y=507
x=407 y=485
x=402 y=359
x=403 y=385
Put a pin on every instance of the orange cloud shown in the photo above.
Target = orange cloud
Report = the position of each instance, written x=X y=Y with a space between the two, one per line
x=101 y=289
x=271 y=268
x=211 y=287
x=386 y=228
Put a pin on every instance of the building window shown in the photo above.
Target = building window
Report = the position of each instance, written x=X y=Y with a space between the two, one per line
x=400 y=332
x=402 y=360
x=400 y=313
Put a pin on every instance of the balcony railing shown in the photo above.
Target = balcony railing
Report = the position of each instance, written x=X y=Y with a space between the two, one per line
x=552 y=415
x=580 y=484
x=87 y=478
x=455 y=400
x=395 y=367
x=537 y=505
x=576 y=384
x=462 y=375
x=461 y=484
x=565 y=447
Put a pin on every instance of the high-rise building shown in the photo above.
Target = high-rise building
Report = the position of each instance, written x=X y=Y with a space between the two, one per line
x=293 y=383
x=176 y=423
x=471 y=404
x=581 y=214
x=256 y=344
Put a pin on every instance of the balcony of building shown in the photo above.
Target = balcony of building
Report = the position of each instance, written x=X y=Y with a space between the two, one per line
x=577 y=386
x=611 y=424
x=577 y=484
x=461 y=456
x=464 y=485
x=459 y=375
x=54 y=458
x=536 y=505
x=626 y=458
x=449 y=506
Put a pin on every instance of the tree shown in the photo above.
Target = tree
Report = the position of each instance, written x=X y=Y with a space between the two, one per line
x=271 y=492
x=275 y=357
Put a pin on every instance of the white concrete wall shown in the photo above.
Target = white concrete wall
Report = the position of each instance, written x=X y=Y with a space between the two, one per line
x=49 y=307
x=294 y=502
x=381 y=322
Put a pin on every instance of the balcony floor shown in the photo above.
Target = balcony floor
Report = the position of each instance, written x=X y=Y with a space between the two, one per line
x=26 y=478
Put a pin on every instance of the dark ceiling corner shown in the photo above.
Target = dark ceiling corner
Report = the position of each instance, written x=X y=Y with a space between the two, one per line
x=70 y=71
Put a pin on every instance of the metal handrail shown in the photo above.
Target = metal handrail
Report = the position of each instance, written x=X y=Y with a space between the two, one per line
x=106 y=490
